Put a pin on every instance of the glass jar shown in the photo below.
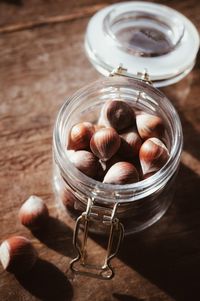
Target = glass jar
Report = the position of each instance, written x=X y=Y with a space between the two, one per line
x=106 y=208
x=133 y=35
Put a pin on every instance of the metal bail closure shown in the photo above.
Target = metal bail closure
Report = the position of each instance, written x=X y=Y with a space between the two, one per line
x=93 y=214
x=121 y=71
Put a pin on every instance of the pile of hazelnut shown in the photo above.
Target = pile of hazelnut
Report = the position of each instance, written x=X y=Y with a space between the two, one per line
x=124 y=146
x=17 y=253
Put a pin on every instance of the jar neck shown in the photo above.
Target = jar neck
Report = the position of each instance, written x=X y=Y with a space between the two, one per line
x=93 y=96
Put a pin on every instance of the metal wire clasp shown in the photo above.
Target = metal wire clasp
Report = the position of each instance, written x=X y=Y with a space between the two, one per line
x=121 y=71
x=80 y=264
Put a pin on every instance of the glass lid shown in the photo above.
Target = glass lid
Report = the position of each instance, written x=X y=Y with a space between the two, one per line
x=142 y=35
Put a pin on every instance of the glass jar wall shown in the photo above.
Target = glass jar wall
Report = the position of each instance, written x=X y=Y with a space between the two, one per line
x=139 y=204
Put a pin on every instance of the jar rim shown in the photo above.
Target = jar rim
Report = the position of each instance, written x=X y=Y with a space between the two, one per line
x=136 y=190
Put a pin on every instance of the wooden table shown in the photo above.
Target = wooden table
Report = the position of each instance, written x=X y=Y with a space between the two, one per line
x=42 y=61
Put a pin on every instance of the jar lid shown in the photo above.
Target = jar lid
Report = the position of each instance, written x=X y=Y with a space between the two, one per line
x=142 y=35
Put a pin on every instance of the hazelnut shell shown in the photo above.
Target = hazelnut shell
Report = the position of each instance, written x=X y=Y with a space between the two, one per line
x=33 y=213
x=17 y=255
x=86 y=162
x=149 y=126
x=80 y=135
x=130 y=144
x=105 y=143
x=121 y=173
x=153 y=155
x=117 y=114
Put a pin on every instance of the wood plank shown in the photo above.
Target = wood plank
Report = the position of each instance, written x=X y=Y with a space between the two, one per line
x=23 y=11
x=49 y=20
x=19 y=13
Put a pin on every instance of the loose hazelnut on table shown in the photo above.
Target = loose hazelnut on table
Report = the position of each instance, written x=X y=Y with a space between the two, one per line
x=33 y=213
x=80 y=135
x=17 y=255
x=153 y=155
x=149 y=126
x=105 y=143
x=121 y=173
x=117 y=114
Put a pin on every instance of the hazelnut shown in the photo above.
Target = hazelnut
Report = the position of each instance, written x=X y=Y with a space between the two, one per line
x=68 y=199
x=117 y=114
x=153 y=155
x=70 y=152
x=148 y=175
x=80 y=135
x=130 y=144
x=17 y=254
x=149 y=126
x=70 y=202
x=33 y=213
x=105 y=143
x=121 y=173
x=86 y=162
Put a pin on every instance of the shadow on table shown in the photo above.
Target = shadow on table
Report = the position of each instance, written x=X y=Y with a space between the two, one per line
x=191 y=141
x=168 y=253
x=47 y=282
x=57 y=236
x=197 y=63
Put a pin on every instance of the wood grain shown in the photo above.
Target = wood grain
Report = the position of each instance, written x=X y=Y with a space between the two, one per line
x=46 y=20
x=39 y=68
